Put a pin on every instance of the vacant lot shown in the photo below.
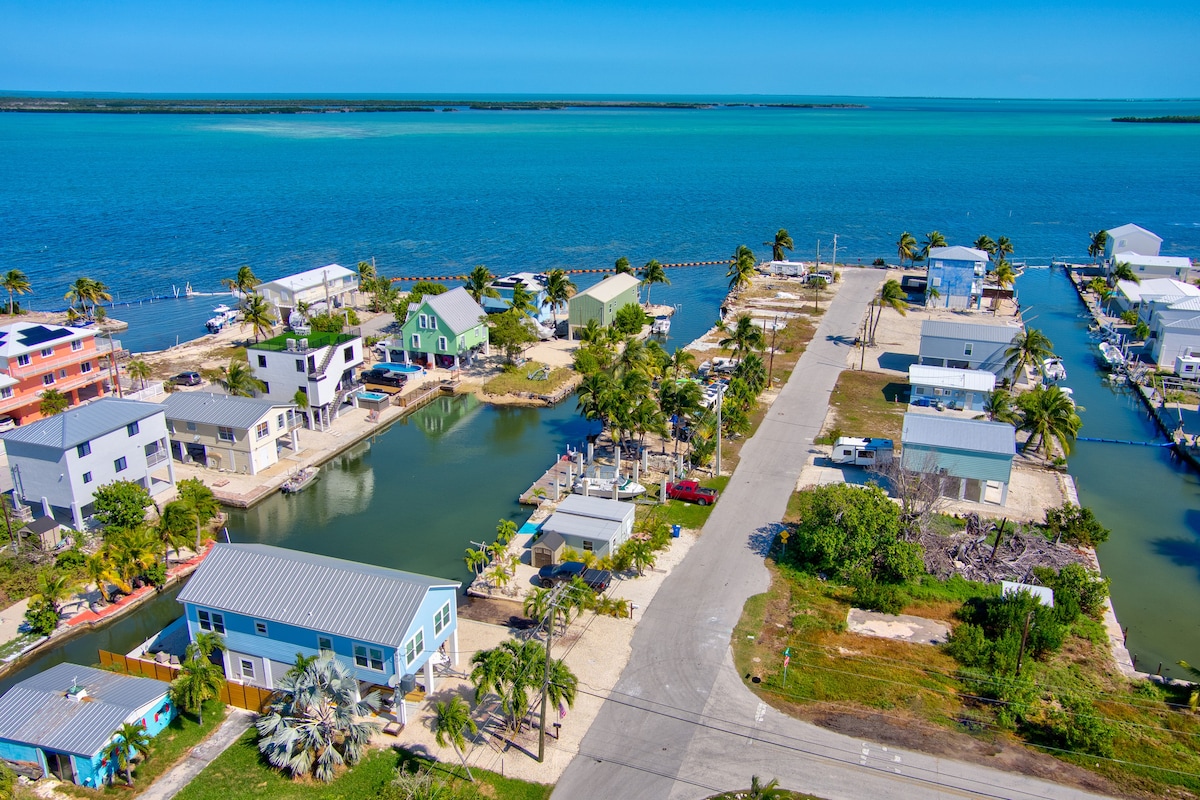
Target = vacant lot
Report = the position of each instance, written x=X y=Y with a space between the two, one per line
x=868 y=404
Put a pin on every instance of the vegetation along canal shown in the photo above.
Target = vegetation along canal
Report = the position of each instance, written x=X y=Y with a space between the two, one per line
x=1146 y=496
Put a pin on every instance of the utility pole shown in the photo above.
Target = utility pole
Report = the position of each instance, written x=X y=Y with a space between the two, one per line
x=833 y=263
x=554 y=598
x=771 y=362
x=720 y=402
x=818 y=255
x=1024 y=639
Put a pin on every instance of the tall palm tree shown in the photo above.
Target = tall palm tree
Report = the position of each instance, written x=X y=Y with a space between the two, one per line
x=85 y=290
x=199 y=680
x=479 y=283
x=129 y=741
x=745 y=337
x=752 y=370
x=651 y=273
x=300 y=399
x=1098 y=243
x=623 y=267
x=1123 y=271
x=16 y=283
x=238 y=379
x=522 y=301
x=559 y=289
x=366 y=272
x=681 y=360
x=985 y=244
x=450 y=723
x=1004 y=247
x=782 y=242
x=741 y=269
x=1004 y=278
x=932 y=239
x=1029 y=347
x=200 y=502
x=1050 y=418
x=906 y=247
x=139 y=370
x=999 y=408
x=891 y=295
x=53 y=587
x=243 y=282
x=100 y=572
x=174 y=527
x=257 y=313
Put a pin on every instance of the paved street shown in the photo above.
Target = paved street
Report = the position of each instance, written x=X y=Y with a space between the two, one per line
x=680 y=723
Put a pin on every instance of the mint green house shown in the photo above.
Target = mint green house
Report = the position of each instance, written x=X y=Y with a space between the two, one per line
x=601 y=302
x=446 y=330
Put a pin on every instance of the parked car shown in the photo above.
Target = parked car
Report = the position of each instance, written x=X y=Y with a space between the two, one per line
x=7 y=423
x=187 y=379
x=825 y=276
x=383 y=377
x=692 y=492
x=567 y=571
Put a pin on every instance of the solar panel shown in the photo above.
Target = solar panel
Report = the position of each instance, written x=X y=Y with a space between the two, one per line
x=38 y=334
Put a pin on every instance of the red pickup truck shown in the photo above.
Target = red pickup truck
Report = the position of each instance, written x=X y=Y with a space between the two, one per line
x=692 y=492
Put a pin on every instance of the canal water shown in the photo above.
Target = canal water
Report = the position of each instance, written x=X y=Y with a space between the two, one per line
x=1146 y=496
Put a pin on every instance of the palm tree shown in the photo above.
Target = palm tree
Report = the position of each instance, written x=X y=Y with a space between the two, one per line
x=932 y=239
x=476 y=560
x=174 y=527
x=479 y=283
x=238 y=379
x=199 y=680
x=1099 y=242
x=752 y=370
x=1004 y=247
x=999 y=408
x=515 y=669
x=16 y=283
x=559 y=289
x=243 y=282
x=522 y=301
x=256 y=312
x=1004 y=277
x=1050 y=418
x=300 y=399
x=623 y=267
x=782 y=242
x=681 y=360
x=85 y=290
x=450 y=720
x=745 y=337
x=100 y=572
x=312 y=724
x=130 y=740
x=366 y=272
x=301 y=663
x=139 y=370
x=53 y=588
x=741 y=269
x=204 y=644
x=763 y=791
x=891 y=295
x=53 y=402
x=1029 y=347
x=1123 y=271
x=906 y=247
x=200 y=502
x=985 y=244
x=651 y=273
x=591 y=333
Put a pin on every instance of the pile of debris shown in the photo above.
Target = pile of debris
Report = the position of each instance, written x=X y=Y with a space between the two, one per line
x=971 y=555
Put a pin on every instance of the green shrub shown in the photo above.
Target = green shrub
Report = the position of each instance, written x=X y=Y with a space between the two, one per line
x=878 y=597
x=1075 y=525
x=70 y=559
x=1075 y=584
x=156 y=574
x=969 y=646
x=630 y=318
x=41 y=617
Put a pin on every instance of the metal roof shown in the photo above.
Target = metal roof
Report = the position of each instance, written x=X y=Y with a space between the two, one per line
x=1188 y=304
x=969 y=331
x=957 y=253
x=1189 y=324
x=973 y=380
x=310 y=279
x=210 y=408
x=20 y=338
x=567 y=524
x=457 y=309
x=37 y=712
x=329 y=595
x=977 y=436
x=598 y=507
x=83 y=423
x=610 y=287
x=1139 y=260
x=1128 y=228
x=1161 y=289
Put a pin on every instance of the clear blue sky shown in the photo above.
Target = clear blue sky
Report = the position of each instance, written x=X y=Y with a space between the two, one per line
x=1019 y=48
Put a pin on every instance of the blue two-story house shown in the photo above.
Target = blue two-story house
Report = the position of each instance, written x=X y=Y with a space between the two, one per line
x=270 y=603
x=534 y=284
x=956 y=274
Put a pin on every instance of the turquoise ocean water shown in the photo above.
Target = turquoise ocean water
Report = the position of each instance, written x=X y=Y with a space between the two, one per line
x=147 y=203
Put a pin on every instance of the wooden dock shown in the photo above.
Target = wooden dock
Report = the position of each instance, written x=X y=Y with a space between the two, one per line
x=557 y=473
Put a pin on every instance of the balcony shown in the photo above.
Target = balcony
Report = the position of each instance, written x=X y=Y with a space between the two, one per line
x=39 y=365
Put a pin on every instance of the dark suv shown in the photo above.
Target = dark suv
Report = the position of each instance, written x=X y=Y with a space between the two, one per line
x=187 y=379
x=383 y=377
x=597 y=579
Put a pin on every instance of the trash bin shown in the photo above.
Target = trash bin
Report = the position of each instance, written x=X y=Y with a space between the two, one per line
x=675 y=531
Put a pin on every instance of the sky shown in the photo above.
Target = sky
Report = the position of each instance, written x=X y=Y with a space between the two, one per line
x=1017 y=48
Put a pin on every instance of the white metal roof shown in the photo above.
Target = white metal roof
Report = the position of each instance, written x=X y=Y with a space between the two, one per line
x=82 y=423
x=973 y=435
x=598 y=507
x=210 y=408
x=310 y=279
x=566 y=524
x=610 y=287
x=19 y=338
x=1139 y=260
x=1156 y=289
x=957 y=253
x=1125 y=230
x=972 y=380
x=969 y=331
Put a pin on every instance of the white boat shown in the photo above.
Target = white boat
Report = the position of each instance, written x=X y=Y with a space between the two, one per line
x=1069 y=393
x=661 y=326
x=1053 y=370
x=1111 y=355
x=299 y=480
x=627 y=489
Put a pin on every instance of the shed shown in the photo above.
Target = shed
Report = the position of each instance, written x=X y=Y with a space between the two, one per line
x=48 y=531
x=602 y=301
x=971 y=456
x=590 y=525
x=547 y=550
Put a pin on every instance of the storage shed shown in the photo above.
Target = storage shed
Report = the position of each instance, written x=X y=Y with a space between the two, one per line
x=973 y=457
x=587 y=524
x=602 y=301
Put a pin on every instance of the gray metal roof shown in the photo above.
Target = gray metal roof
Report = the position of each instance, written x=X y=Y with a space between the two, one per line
x=82 y=424
x=210 y=408
x=1189 y=324
x=977 y=436
x=329 y=595
x=598 y=507
x=585 y=527
x=969 y=331
x=457 y=309
x=551 y=541
x=957 y=253
x=37 y=712
x=1128 y=228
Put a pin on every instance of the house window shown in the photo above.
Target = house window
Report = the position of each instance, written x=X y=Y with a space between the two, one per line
x=416 y=341
x=224 y=434
x=442 y=345
x=348 y=353
x=211 y=621
x=368 y=657
x=247 y=669
x=441 y=619
x=414 y=648
x=84 y=449
x=87 y=477
x=191 y=426
x=263 y=430
x=119 y=465
x=77 y=345
x=262 y=361
x=325 y=644
x=260 y=627
x=47 y=352
x=423 y=321
x=6 y=392
x=280 y=421
x=23 y=360
x=588 y=546
x=266 y=387
x=968 y=348
x=86 y=366
x=48 y=379
x=62 y=373
x=132 y=428
x=299 y=365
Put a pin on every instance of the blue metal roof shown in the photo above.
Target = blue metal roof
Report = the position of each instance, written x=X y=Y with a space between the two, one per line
x=979 y=436
x=82 y=424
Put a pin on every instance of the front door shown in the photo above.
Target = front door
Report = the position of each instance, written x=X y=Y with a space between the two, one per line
x=60 y=766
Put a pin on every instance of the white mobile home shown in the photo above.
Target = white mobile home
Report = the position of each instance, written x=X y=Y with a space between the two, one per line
x=862 y=452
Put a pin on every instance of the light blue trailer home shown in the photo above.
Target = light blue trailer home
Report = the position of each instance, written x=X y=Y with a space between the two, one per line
x=270 y=603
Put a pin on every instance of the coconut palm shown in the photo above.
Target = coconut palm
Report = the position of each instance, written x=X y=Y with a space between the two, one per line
x=591 y=333
x=200 y=502
x=744 y=337
x=85 y=290
x=129 y=741
x=53 y=402
x=479 y=283
x=651 y=273
x=782 y=242
x=366 y=272
x=999 y=408
x=559 y=289
x=515 y=670
x=594 y=400
x=1029 y=347
x=623 y=267
x=204 y=644
x=243 y=282
x=238 y=379
x=906 y=247
x=53 y=588
x=522 y=301
x=257 y=313
x=741 y=269
x=932 y=239
x=16 y=283
x=985 y=244
x=1123 y=271
x=1099 y=242
x=100 y=572
x=681 y=360
x=1050 y=418
x=1004 y=278
x=199 y=680
x=138 y=370
x=314 y=722
x=753 y=371
x=450 y=721
x=174 y=527
x=680 y=401
x=891 y=295
x=1004 y=247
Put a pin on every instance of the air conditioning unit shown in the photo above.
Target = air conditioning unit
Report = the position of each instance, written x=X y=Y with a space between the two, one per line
x=291 y=345
x=304 y=344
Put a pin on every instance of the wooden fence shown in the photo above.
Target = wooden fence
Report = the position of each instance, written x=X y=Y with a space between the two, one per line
x=233 y=694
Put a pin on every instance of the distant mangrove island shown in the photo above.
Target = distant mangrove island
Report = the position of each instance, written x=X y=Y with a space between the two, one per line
x=126 y=105
x=1177 y=119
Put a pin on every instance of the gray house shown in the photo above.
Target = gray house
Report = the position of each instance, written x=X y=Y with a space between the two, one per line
x=586 y=524
x=966 y=345
x=964 y=389
x=971 y=456
x=1131 y=238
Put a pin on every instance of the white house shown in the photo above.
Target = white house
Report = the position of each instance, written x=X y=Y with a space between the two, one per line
x=1177 y=267
x=957 y=274
x=1152 y=292
x=239 y=434
x=332 y=284
x=320 y=365
x=966 y=345
x=964 y=389
x=587 y=524
x=59 y=462
x=1131 y=239
x=1173 y=338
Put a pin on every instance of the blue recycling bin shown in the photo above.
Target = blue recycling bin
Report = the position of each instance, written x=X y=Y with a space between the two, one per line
x=675 y=531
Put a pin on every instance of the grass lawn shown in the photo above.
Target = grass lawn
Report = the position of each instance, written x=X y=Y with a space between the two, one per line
x=167 y=749
x=869 y=404
x=240 y=773
x=517 y=382
x=677 y=512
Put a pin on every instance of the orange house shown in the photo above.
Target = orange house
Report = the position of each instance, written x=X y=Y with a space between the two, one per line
x=35 y=357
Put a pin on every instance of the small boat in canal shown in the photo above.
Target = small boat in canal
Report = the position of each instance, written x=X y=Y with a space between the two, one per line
x=1111 y=355
x=1053 y=370
x=661 y=326
x=298 y=481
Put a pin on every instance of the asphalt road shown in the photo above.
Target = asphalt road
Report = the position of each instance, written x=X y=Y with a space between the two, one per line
x=680 y=723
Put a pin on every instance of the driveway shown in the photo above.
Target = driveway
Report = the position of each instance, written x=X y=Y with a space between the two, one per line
x=680 y=723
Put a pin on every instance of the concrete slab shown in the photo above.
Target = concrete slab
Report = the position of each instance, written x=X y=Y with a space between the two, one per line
x=902 y=627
